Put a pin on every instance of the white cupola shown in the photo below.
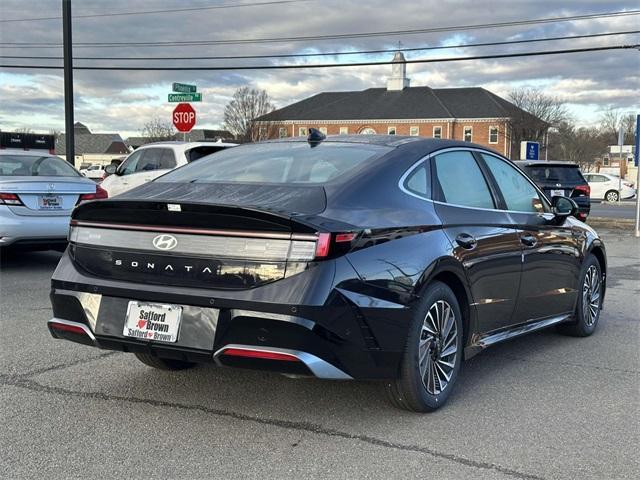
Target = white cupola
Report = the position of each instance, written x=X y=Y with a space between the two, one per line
x=398 y=79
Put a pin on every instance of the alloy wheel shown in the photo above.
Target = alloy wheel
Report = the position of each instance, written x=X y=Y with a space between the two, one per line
x=438 y=347
x=591 y=295
x=612 y=197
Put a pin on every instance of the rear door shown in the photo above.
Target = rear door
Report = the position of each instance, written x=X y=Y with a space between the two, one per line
x=155 y=162
x=482 y=236
x=551 y=254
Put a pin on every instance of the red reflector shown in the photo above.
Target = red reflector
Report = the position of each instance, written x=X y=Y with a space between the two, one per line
x=68 y=328
x=100 y=194
x=265 y=355
x=586 y=189
x=322 y=245
x=345 y=237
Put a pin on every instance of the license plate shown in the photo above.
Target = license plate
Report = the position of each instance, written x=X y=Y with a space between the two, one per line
x=557 y=193
x=153 y=321
x=50 y=202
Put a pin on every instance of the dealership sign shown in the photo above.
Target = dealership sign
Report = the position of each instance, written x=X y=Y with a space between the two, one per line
x=529 y=151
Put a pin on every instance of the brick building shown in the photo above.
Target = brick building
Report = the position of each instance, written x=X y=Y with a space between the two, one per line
x=471 y=114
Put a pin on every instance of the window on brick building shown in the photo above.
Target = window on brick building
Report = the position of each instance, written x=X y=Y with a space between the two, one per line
x=414 y=131
x=468 y=134
x=391 y=130
x=344 y=130
x=437 y=132
x=493 y=134
x=323 y=130
x=302 y=132
x=282 y=132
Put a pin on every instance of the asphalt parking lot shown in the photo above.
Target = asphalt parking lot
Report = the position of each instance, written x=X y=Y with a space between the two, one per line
x=541 y=407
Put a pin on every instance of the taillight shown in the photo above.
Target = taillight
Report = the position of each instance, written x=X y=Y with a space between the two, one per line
x=584 y=189
x=333 y=243
x=10 y=199
x=100 y=194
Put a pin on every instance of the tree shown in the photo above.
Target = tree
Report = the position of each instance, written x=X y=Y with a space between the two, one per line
x=581 y=145
x=537 y=112
x=611 y=119
x=23 y=130
x=240 y=113
x=157 y=130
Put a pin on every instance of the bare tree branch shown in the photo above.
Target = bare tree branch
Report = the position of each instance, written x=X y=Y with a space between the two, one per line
x=157 y=130
x=240 y=114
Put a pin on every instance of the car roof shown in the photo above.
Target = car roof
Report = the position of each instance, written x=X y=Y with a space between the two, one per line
x=547 y=163
x=26 y=153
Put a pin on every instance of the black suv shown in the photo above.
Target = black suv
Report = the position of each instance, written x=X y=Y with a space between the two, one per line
x=560 y=179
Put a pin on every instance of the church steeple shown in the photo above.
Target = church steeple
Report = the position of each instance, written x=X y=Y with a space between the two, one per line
x=398 y=79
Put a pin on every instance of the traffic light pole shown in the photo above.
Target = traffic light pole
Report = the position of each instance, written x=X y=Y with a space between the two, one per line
x=68 y=81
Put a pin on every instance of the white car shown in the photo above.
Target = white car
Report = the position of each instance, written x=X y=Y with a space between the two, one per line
x=154 y=159
x=609 y=187
x=95 y=172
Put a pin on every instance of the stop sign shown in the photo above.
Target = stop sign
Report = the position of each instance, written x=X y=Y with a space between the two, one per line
x=184 y=117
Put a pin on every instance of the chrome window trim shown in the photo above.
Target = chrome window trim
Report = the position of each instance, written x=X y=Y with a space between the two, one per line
x=427 y=157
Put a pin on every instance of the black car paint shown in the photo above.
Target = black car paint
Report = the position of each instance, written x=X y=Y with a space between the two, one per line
x=358 y=303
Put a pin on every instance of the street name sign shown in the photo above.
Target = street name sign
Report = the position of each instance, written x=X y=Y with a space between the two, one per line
x=185 y=97
x=184 y=117
x=183 y=88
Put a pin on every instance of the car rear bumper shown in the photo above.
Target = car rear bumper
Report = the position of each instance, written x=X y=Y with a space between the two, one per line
x=31 y=228
x=328 y=339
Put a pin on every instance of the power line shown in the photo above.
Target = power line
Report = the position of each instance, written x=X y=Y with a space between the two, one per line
x=332 y=54
x=331 y=65
x=147 y=12
x=326 y=37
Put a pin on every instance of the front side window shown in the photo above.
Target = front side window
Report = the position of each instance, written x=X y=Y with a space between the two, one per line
x=414 y=131
x=34 y=166
x=518 y=193
x=129 y=165
x=468 y=134
x=437 y=132
x=461 y=181
x=280 y=163
x=493 y=134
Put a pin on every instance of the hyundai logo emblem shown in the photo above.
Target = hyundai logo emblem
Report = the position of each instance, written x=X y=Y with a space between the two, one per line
x=165 y=242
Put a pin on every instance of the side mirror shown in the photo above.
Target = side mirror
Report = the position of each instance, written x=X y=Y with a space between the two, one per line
x=563 y=206
x=110 y=169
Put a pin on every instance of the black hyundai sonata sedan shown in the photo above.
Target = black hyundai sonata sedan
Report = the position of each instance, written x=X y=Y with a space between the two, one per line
x=368 y=257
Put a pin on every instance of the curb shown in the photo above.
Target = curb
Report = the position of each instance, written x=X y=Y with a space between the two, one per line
x=614 y=223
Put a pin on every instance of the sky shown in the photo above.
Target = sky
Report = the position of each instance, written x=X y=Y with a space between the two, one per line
x=123 y=101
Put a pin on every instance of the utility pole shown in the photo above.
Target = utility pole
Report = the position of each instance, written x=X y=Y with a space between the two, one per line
x=68 y=81
x=637 y=163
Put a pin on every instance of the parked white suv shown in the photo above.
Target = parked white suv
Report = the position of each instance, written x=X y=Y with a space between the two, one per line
x=94 y=172
x=609 y=187
x=154 y=159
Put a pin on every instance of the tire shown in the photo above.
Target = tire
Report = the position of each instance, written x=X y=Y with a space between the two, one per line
x=611 y=196
x=163 y=363
x=418 y=389
x=589 y=302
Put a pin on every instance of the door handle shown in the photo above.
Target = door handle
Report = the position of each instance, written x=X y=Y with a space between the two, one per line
x=466 y=241
x=529 y=240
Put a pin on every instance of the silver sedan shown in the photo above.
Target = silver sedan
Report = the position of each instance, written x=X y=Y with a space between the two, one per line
x=38 y=191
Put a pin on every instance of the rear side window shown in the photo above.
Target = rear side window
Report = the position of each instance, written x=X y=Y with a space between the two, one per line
x=282 y=163
x=517 y=191
x=419 y=181
x=34 y=166
x=554 y=173
x=461 y=181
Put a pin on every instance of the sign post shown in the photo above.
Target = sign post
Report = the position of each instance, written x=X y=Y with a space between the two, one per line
x=636 y=156
x=620 y=144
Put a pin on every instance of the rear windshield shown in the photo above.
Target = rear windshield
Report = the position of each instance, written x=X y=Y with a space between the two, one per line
x=555 y=173
x=281 y=163
x=35 y=166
